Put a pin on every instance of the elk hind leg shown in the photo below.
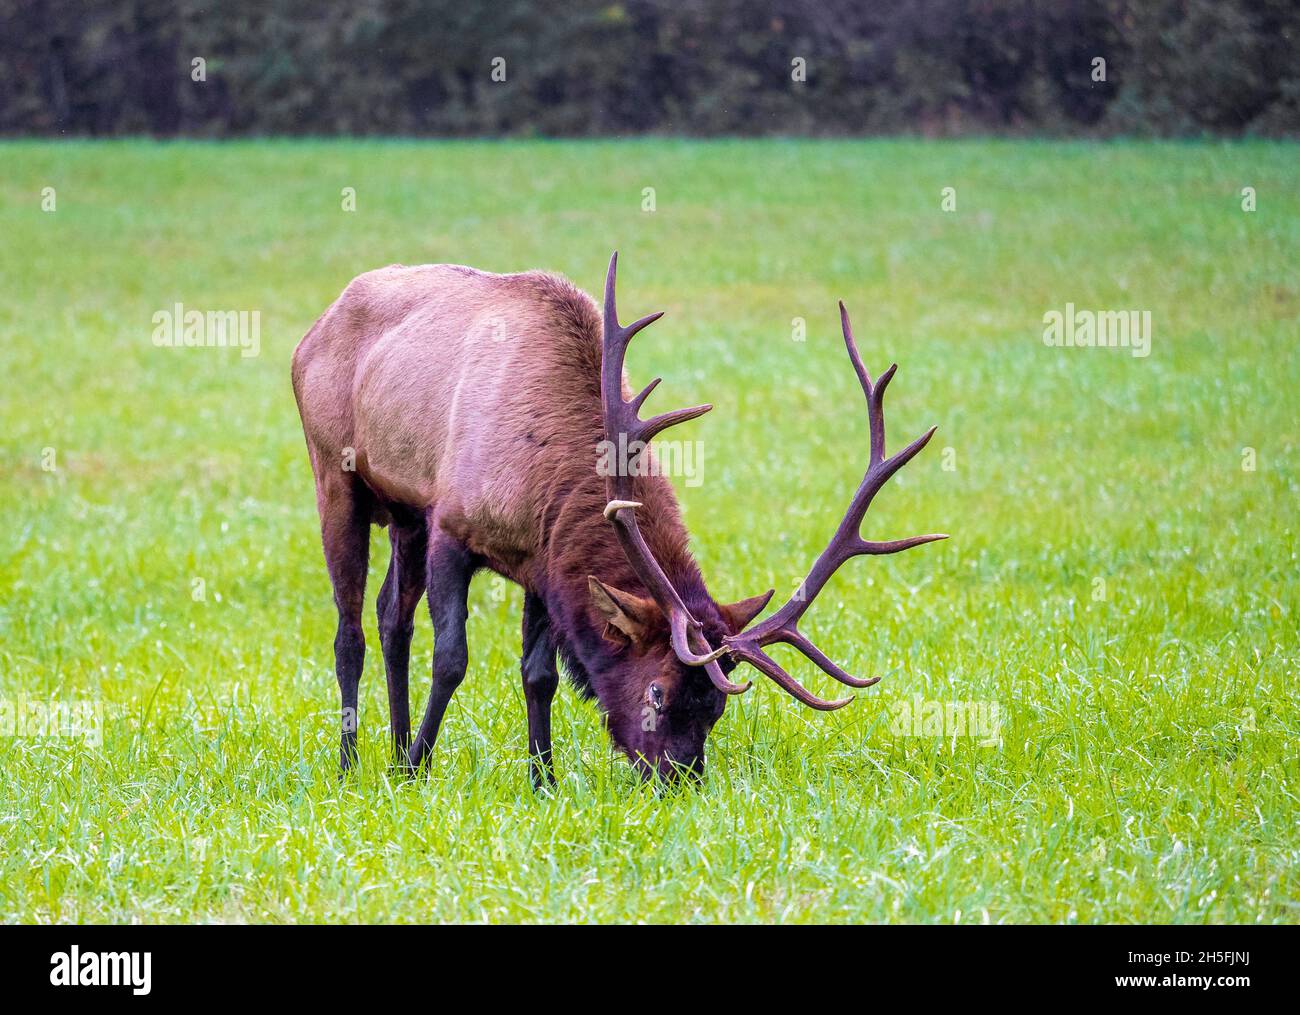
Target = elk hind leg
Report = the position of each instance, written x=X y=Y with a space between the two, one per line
x=398 y=598
x=345 y=535
x=449 y=568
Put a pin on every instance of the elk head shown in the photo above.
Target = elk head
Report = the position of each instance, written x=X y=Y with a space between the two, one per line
x=680 y=654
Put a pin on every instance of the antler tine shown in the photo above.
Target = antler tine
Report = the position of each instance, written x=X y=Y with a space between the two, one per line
x=639 y=400
x=800 y=641
x=679 y=624
x=655 y=425
x=621 y=418
x=875 y=392
x=611 y=302
x=766 y=665
x=847 y=543
x=863 y=377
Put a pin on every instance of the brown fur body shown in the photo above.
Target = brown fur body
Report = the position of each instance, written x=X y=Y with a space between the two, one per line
x=470 y=405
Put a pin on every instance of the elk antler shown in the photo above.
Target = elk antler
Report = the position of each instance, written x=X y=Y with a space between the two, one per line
x=783 y=626
x=621 y=418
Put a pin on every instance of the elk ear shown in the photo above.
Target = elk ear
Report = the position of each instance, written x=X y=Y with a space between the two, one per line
x=627 y=617
x=738 y=615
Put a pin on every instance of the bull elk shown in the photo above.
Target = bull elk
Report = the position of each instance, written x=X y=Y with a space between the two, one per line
x=464 y=410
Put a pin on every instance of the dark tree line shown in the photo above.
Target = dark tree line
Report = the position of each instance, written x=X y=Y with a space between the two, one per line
x=458 y=67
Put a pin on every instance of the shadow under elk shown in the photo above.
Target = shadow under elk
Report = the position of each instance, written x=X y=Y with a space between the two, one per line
x=465 y=411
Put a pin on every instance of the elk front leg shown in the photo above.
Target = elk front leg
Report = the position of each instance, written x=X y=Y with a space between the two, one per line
x=401 y=592
x=449 y=567
x=540 y=680
x=345 y=536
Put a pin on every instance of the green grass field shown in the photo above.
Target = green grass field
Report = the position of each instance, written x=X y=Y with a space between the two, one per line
x=1120 y=583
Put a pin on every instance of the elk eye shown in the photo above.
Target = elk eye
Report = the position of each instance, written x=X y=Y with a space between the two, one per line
x=655 y=695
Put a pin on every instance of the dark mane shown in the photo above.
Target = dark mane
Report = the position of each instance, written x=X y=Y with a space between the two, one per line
x=579 y=540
